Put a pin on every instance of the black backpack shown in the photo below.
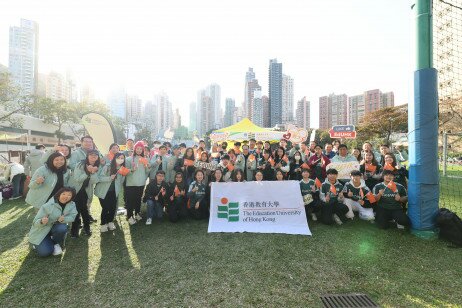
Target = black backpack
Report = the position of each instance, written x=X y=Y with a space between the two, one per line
x=450 y=226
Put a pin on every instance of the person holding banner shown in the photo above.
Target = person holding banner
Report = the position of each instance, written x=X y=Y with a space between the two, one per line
x=265 y=165
x=135 y=182
x=47 y=180
x=186 y=165
x=83 y=180
x=197 y=200
x=176 y=208
x=156 y=197
x=343 y=156
x=318 y=163
x=332 y=207
x=49 y=227
x=108 y=188
x=370 y=169
x=204 y=158
x=358 y=197
x=390 y=198
x=310 y=194
x=296 y=163
x=247 y=163
x=259 y=176
x=279 y=175
x=238 y=176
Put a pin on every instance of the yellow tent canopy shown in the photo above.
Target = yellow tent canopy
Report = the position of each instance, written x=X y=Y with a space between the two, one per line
x=244 y=130
x=244 y=126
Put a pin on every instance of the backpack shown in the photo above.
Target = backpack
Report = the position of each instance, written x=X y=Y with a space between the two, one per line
x=7 y=191
x=450 y=226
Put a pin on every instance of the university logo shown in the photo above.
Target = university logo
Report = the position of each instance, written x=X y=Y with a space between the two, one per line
x=228 y=210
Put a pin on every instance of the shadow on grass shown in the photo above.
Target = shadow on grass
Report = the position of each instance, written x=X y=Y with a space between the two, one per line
x=16 y=230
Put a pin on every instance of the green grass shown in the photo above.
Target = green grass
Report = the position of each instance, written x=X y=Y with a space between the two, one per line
x=181 y=265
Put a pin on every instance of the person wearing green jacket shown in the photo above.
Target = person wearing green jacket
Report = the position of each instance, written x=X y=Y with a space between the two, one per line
x=109 y=185
x=247 y=163
x=33 y=160
x=136 y=181
x=47 y=180
x=83 y=180
x=49 y=227
x=81 y=153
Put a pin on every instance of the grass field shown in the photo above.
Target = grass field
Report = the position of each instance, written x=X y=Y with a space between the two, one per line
x=181 y=265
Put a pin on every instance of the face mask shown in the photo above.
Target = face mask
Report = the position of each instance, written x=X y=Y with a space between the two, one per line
x=297 y=157
x=120 y=161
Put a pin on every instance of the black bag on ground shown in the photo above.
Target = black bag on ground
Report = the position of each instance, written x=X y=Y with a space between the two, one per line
x=450 y=226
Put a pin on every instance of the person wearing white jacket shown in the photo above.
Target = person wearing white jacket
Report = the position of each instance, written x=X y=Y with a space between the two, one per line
x=14 y=172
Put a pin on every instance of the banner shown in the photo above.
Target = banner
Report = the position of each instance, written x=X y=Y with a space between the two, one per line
x=100 y=129
x=203 y=165
x=344 y=169
x=260 y=207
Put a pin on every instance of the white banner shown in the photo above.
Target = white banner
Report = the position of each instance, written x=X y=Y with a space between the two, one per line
x=261 y=207
x=344 y=169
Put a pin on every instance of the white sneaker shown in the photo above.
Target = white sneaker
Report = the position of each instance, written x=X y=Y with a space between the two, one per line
x=138 y=217
x=111 y=226
x=57 y=250
x=400 y=227
x=148 y=221
x=314 y=217
x=338 y=221
x=103 y=228
x=131 y=221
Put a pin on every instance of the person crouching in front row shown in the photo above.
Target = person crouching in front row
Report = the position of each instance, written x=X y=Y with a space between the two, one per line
x=332 y=207
x=156 y=197
x=49 y=227
x=358 y=197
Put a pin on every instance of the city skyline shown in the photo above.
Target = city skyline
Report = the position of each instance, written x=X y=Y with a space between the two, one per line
x=148 y=55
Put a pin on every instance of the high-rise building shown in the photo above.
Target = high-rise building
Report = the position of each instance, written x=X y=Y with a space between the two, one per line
x=333 y=110
x=117 y=102
x=303 y=113
x=388 y=100
x=23 y=56
x=252 y=87
x=206 y=114
x=372 y=100
x=257 y=111
x=150 y=118
x=192 y=116
x=249 y=76
x=164 y=111
x=134 y=109
x=208 y=109
x=59 y=87
x=87 y=94
x=287 y=99
x=230 y=110
x=266 y=111
x=356 y=109
x=176 y=119
x=369 y=101
x=275 y=92
x=214 y=92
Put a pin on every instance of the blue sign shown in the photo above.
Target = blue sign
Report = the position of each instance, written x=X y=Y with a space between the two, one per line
x=343 y=128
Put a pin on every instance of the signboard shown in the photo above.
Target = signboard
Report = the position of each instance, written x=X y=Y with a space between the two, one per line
x=343 y=131
x=261 y=207
x=100 y=129
x=344 y=169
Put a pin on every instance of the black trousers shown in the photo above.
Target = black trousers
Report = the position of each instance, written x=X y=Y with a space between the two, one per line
x=383 y=217
x=81 y=200
x=328 y=209
x=108 y=207
x=202 y=212
x=134 y=195
x=176 y=209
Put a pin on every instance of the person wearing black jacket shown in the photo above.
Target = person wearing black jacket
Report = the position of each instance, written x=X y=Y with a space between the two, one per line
x=197 y=201
x=265 y=166
x=176 y=208
x=184 y=165
x=156 y=197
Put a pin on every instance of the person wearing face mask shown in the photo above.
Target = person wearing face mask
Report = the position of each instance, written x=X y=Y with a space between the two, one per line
x=49 y=227
x=110 y=184
x=47 y=180
x=247 y=163
x=296 y=163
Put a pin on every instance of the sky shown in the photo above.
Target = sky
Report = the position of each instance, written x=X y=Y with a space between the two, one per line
x=328 y=46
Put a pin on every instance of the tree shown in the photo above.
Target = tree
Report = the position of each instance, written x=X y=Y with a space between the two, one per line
x=181 y=133
x=12 y=102
x=383 y=123
x=58 y=113
x=143 y=133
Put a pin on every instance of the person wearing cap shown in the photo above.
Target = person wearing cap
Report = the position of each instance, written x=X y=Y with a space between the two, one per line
x=355 y=193
x=390 y=198
x=83 y=180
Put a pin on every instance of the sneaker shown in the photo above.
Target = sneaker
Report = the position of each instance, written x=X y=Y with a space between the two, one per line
x=138 y=217
x=57 y=250
x=104 y=228
x=314 y=217
x=338 y=221
x=111 y=226
x=400 y=227
x=148 y=221
x=131 y=221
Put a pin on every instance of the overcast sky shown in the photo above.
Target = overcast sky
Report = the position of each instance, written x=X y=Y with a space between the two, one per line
x=181 y=46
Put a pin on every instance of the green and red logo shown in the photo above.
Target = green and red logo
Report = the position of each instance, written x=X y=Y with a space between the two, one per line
x=228 y=210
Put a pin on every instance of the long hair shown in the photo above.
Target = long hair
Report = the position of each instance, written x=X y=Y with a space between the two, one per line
x=190 y=157
x=234 y=175
x=62 y=190
x=276 y=155
x=373 y=161
x=114 y=163
x=214 y=178
x=181 y=185
x=51 y=167
x=86 y=162
x=138 y=144
x=292 y=160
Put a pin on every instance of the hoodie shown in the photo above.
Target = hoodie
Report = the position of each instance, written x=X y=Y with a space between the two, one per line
x=33 y=162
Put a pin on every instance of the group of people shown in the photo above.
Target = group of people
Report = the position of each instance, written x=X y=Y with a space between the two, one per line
x=175 y=181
